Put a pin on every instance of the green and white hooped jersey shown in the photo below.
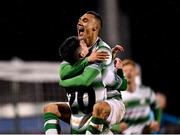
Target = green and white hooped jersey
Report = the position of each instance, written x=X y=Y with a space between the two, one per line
x=88 y=96
x=87 y=84
x=87 y=100
x=108 y=73
x=137 y=108
x=105 y=78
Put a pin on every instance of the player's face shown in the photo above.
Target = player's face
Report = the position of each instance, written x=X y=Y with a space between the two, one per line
x=83 y=51
x=85 y=28
x=130 y=73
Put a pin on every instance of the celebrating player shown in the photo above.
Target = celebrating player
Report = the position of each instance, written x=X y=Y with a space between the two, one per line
x=88 y=29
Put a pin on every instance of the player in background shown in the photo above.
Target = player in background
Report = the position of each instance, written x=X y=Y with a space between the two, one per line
x=139 y=102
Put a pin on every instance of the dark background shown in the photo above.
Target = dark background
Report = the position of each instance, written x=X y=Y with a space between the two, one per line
x=30 y=30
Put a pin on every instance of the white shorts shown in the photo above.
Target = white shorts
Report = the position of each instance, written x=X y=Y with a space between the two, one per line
x=117 y=110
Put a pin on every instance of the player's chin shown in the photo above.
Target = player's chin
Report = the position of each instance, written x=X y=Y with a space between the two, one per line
x=80 y=37
x=128 y=81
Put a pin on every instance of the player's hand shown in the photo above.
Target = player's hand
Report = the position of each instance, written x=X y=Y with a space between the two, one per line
x=118 y=63
x=154 y=126
x=123 y=126
x=97 y=56
x=116 y=49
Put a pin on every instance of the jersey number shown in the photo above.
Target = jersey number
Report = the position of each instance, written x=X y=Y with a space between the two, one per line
x=83 y=92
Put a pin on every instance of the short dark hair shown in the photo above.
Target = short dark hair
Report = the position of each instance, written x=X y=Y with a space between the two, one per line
x=97 y=16
x=68 y=49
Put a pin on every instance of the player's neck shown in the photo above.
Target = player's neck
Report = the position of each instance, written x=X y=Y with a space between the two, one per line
x=131 y=87
x=94 y=40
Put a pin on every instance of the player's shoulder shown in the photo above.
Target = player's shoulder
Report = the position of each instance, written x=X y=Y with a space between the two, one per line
x=103 y=44
x=146 y=89
x=63 y=64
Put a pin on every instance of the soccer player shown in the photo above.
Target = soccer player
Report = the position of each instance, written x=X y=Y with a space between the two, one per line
x=84 y=98
x=88 y=28
x=71 y=52
x=139 y=101
x=73 y=55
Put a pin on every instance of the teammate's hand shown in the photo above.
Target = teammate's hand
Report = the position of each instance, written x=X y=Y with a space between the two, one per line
x=97 y=56
x=123 y=126
x=118 y=63
x=116 y=49
x=154 y=126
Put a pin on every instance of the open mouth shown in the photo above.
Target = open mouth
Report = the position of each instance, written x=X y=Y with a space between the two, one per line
x=80 y=30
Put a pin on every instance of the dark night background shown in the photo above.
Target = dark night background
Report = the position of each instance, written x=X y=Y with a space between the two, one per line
x=30 y=30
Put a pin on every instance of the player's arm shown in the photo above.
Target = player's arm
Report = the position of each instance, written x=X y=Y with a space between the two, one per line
x=66 y=70
x=155 y=125
x=84 y=79
x=119 y=71
x=123 y=85
x=112 y=79
x=117 y=49
x=115 y=78
x=157 y=114
x=155 y=107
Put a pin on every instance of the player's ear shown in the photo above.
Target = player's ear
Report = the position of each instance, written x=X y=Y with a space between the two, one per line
x=82 y=55
x=95 y=28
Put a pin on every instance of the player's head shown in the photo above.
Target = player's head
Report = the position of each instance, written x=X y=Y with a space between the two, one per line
x=89 y=26
x=129 y=69
x=73 y=49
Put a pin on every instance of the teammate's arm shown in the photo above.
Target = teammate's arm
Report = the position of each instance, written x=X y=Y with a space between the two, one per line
x=155 y=107
x=123 y=85
x=157 y=114
x=84 y=79
x=67 y=70
x=117 y=49
x=155 y=125
x=115 y=78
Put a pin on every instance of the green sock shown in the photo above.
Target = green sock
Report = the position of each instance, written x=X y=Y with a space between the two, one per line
x=51 y=125
x=95 y=126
